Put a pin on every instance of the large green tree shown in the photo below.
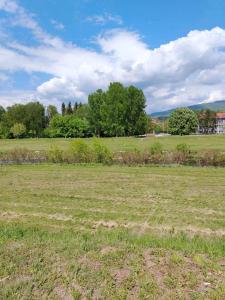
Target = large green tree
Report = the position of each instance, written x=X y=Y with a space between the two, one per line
x=69 y=109
x=182 y=121
x=96 y=101
x=136 y=119
x=35 y=118
x=32 y=115
x=117 y=112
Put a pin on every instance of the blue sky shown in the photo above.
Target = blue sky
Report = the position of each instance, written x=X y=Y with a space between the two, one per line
x=54 y=51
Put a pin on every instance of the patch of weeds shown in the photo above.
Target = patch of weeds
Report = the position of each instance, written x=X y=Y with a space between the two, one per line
x=176 y=259
x=171 y=281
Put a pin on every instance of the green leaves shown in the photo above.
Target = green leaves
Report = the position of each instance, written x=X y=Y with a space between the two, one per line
x=183 y=121
x=69 y=126
x=118 y=112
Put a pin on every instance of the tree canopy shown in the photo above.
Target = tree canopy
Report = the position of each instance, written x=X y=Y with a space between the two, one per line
x=31 y=115
x=182 y=121
x=118 y=112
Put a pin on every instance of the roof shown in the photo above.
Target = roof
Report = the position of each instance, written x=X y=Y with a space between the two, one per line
x=220 y=115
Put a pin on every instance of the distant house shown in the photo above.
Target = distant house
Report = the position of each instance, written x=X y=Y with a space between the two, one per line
x=211 y=123
x=220 y=122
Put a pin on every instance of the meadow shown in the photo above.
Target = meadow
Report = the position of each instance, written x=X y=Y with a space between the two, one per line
x=198 y=142
x=111 y=232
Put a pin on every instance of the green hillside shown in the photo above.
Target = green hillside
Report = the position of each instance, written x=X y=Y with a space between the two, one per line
x=216 y=106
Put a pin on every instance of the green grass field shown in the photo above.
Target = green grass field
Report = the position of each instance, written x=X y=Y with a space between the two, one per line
x=98 y=232
x=126 y=143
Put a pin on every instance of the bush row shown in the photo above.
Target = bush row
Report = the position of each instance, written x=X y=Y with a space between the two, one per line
x=81 y=152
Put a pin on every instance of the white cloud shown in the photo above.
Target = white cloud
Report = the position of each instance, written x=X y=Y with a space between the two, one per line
x=104 y=19
x=9 y=6
x=57 y=25
x=186 y=71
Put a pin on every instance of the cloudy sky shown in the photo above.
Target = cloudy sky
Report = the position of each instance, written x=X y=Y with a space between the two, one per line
x=60 y=50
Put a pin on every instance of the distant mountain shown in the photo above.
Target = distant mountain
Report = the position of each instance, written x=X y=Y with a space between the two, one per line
x=216 y=106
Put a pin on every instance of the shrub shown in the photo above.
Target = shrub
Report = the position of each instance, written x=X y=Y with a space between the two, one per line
x=102 y=153
x=55 y=154
x=18 y=130
x=184 y=148
x=81 y=152
x=219 y=159
x=182 y=154
x=156 y=148
x=68 y=126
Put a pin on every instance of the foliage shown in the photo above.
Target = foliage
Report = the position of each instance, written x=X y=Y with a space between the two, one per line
x=182 y=121
x=156 y=148
x=81 y=111
x=69 y=109
x=32 y=115
x=51 y=112
x=18 y=130
x=4 y=131
x=69 y=126
x=63 y=109
x=183 y=148
x=55 y=154
x=102 y=153
x=118 y=112
x=2 y=112
x=96 y=102
x=81 y=152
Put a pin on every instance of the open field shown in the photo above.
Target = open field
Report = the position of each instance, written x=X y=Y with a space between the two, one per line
x=94 y=232
x=124 y=143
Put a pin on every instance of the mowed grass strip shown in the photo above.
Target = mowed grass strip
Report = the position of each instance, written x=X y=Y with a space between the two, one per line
x=97 y=232
x=198 y=142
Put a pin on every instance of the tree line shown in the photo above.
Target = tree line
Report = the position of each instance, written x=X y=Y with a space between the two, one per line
x=118 y=111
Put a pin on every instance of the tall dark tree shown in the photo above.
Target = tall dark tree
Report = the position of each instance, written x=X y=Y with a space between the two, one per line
x=2 y=112
x=69 y=109
x=63 y=109
x=75 y=107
